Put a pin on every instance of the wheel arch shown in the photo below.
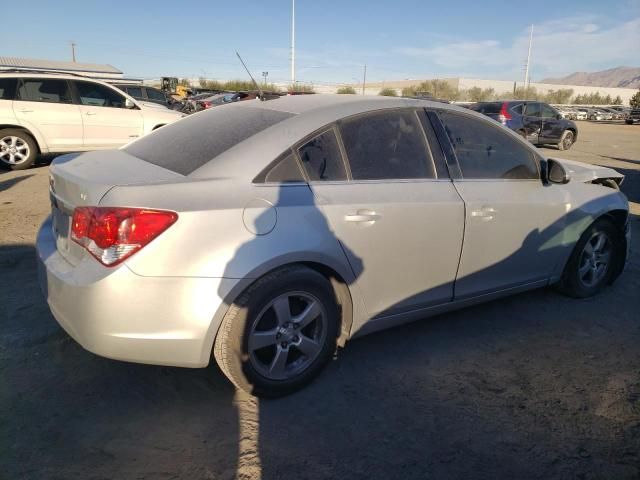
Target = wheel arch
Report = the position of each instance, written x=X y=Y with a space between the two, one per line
x=337 y=277
x=27 y=131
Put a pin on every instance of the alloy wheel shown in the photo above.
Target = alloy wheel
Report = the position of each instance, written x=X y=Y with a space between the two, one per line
x=595 y=259
x=14 y=150
x=567 y=141
x=287 y=336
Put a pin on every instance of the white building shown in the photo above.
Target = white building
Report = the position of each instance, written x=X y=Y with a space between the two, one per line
x=500 y=87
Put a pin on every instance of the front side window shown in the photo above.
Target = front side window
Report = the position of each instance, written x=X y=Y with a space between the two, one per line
x=7 y=88
x=485 y=152
x=386 y=145
x=532 y=110
x=548 y=112
x=321 y=158
x=44 y=90
x=96 y=95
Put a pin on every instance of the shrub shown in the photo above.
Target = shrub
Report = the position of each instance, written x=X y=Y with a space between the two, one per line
x=346 y=91
x=388 y=92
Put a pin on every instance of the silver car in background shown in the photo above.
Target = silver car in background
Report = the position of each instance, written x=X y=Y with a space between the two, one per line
x=265 y=234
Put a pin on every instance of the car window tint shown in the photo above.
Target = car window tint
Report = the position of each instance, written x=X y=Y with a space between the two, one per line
x=484 y=151
x=284 y=170
x=532 y=109
x=154 y=94
x=321 y=158
x=386 y=145
x=548 y=112
x=96 y=95
x=188 y=144
x=487 y=107
x=135 y=92
x=44 y=90
x=7 y=88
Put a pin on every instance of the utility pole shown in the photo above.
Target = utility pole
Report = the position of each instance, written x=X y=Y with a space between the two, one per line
x=73 y=51
x=293 y=42
x=526 y=70
x=364 y=79
x=264 y=75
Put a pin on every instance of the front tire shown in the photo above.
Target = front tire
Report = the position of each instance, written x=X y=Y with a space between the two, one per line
x=18 y=150
x=279 y=334
x=595 y=260
x=566 y=141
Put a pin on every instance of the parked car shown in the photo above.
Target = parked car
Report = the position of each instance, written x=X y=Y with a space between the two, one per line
x=634 y=116
x=536 y=121
x=582 y=113
x=615 y=114
x=223 y=99
x=147 y=94
x=567 y=113
x=57 y=113
x=265 y=233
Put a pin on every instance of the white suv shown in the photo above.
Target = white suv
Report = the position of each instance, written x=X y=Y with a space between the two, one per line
x=56 y=113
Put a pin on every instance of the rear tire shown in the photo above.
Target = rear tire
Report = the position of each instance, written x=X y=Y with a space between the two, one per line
x=592 y=264
x=266 y=345
x=566 y=141
x=18 y=149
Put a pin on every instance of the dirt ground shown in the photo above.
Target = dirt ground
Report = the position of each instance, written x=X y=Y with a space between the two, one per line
x=533 y=386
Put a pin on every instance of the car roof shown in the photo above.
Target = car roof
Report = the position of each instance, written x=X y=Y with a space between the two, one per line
x=310 y=113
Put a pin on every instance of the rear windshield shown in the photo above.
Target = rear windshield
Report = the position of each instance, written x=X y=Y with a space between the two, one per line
x=187 y=145
x=487 y=108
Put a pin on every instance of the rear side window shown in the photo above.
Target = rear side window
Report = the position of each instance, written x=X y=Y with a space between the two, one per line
x=321 y=158
x=284 y=170
x=135 y=92
x=44 y=90
x=517 y=109
x=188 y=144
x=485 y=152
x=154 y=94
x=7 y=88
x=96 y=95
x=386 y=145
x=489 y=108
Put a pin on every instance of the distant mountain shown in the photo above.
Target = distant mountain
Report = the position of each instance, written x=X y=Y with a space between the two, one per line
x=624 y=77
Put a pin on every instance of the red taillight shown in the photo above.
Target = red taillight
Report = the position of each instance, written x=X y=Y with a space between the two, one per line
x=504 y=113
x=206 y=104
x=112 y=234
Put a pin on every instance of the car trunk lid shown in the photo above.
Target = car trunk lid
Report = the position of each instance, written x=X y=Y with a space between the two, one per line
x=83 y=180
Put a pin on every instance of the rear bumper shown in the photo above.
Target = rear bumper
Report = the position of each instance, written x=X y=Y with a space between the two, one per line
x=115 y=313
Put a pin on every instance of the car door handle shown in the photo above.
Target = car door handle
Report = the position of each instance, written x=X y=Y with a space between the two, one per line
x=484 y=213
x=90 y=113
x=25 y=111
x=362 y=216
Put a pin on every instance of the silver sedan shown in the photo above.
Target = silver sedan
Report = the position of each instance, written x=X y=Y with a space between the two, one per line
x=266 y=234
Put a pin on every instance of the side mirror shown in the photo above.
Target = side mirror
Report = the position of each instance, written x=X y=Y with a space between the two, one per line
x=556 y=173
x=559 y=117
x=128 y=103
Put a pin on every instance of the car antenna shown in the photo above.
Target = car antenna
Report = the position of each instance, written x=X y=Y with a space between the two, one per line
x=251 y=76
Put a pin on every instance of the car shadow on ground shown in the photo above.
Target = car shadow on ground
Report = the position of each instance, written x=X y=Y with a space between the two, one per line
x=7 y=184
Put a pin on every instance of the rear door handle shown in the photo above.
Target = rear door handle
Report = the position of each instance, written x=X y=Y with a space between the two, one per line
x=362 y=216
x=25 y=111
x=90 y=113
x=484 y=213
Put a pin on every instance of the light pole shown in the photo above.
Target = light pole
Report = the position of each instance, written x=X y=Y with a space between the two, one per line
x=265 y=75
x=293 y=42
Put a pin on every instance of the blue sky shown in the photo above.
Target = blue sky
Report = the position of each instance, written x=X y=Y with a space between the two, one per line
x=396 y=39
